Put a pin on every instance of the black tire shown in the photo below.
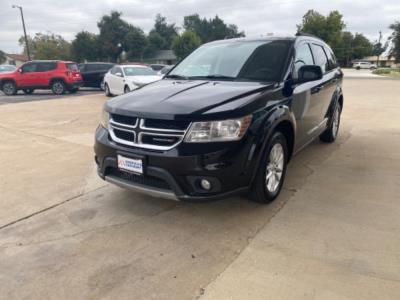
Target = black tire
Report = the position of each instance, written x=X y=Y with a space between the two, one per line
x=107 y=90
x=58 y=87
x=73 y=91
x=358 y=68
x=260 y=191
x=9 y=88
x=331 y=132
x=126 y=89
x=28 y=91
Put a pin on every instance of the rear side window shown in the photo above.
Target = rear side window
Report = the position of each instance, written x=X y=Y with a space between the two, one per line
x=45 y=67
x=72 y=66
x=320 y=57
x=332 y=63
x=303 y=57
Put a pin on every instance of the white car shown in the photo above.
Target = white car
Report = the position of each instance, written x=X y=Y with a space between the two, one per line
x=364 y=65
x=122 y=79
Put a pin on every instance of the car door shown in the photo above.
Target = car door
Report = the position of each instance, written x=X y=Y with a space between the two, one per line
x=116 y=81
x=44 y=72
x=306 y=103
x=26 y=77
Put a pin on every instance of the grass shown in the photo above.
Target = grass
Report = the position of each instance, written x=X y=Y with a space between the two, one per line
x=390 y=72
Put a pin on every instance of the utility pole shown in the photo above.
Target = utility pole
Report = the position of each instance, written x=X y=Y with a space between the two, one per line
x=23 y=25
x=379 y=50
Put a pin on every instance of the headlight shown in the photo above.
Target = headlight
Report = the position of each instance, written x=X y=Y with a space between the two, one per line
x=105 y=117
x=218 y=131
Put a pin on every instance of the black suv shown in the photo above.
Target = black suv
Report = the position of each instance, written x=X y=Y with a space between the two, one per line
x=227 y=119
x=93 y=73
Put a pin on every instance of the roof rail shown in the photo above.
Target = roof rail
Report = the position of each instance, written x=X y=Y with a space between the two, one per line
x=299 y=33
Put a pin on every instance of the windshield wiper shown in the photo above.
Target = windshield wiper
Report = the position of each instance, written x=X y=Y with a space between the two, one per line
x=176 y=76
x=214 y=76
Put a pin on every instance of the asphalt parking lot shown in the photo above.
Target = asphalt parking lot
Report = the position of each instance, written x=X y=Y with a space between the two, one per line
x=333 y=233
x=41 y=95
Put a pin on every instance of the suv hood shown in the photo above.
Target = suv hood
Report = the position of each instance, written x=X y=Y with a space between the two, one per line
x=171 y=99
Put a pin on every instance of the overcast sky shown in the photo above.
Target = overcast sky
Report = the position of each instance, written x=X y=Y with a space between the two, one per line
x=255 y=17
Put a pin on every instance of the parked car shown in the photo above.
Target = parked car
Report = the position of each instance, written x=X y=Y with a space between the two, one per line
x=59 y=76
x=225 y=120
x=157 y=67
x=165 y=70
x=93 y=73
x=7 y=68
x=364 y=65
x=125 y=78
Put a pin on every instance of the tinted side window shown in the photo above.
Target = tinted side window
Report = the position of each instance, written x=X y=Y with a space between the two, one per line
x=82 y=67
x=331 y=59
x=27 y=68
x=45 y=67
x=92 y=67
x=303 y=57
x=320 y=57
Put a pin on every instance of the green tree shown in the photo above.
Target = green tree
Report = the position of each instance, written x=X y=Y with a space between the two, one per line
x=85 y=47
x=112 y=37
x=48 y=46
x=135 y=42
x=183 y=45
x=361 y=46
x=327 y=28
x=211 y=29
x=166 y=31
x=2 y=57
x=395 y=39
x=154 y=42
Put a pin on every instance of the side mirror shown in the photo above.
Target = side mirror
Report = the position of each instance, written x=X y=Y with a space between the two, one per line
x=20 y=70
x=118 y=74
x=309 y=73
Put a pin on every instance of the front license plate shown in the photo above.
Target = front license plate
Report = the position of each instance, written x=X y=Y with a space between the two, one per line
x=130 y=164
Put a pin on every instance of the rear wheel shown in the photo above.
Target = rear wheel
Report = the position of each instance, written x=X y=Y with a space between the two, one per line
x=330 y=134
x=9 y=88
x=58 y=87
x=271 y=171
x=28 y=91
x=107 y=90
x=73 y=91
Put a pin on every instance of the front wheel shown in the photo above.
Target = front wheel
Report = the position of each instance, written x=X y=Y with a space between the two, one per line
x=58 y=87
x=28 y=91
x=271 y=171
x=9 y=88
x=126 y=89
x=331 y=132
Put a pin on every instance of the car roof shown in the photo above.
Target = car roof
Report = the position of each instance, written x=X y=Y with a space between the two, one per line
x=298 y=37
x=97 y=63
x=134 y=65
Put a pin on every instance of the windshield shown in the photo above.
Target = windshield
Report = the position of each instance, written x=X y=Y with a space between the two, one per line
x=139 y=71
x=7 y=68
x=243 y=60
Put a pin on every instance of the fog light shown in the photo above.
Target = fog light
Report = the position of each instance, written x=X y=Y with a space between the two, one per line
x=205 y=184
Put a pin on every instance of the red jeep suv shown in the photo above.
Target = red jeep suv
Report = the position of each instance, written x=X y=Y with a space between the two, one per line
x=59 y=76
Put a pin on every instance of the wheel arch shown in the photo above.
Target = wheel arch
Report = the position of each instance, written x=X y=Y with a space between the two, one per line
x=3 y=80
x=52 y=80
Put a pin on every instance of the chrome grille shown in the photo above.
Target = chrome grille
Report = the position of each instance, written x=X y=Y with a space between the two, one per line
x=147 y=133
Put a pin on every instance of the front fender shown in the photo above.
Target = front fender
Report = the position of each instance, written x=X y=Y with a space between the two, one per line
x=267 y=125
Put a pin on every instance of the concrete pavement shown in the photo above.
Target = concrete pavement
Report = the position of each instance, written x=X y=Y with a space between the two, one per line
x=333 y=233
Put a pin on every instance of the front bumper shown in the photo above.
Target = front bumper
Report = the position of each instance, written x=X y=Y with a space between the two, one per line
x=174 y=175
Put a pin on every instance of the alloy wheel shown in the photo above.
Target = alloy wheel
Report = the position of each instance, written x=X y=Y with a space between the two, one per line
x=58 y=88
x=9 y=88
x=273 y=175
